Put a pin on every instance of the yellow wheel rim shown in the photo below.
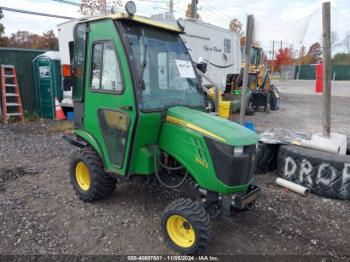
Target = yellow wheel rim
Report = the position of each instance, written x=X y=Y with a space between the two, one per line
x=82 y=175
x=180 y=231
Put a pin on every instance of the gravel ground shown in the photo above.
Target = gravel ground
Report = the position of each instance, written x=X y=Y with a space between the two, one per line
x=40 y=214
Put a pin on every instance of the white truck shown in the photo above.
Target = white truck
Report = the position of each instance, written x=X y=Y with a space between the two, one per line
x=216 y=46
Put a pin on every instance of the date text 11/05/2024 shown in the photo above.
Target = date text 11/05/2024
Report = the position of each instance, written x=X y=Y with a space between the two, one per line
x=173 y=258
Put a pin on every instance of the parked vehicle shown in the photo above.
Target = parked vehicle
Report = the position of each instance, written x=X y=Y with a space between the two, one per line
x=139 y=112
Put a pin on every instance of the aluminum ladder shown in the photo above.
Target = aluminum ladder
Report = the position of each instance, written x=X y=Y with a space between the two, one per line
x=10 y=96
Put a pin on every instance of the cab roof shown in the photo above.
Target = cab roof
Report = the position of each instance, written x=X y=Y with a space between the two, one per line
x=140 y=19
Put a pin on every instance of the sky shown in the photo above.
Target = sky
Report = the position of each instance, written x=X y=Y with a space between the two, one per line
x=294 y=22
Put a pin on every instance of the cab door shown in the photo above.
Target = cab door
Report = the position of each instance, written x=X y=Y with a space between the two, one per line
x=109 y=104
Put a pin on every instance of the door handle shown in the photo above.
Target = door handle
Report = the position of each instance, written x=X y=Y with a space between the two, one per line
x=126 y=108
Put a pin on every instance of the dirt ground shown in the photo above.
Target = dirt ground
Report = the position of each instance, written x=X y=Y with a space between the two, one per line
x=40 y=214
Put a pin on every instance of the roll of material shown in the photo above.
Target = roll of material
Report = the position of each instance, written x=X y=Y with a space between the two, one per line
x=325 y=147
x=334 y=138
x=292 y=186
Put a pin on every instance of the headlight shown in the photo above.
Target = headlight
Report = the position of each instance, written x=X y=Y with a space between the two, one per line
x=130 y=8
x=238 y=150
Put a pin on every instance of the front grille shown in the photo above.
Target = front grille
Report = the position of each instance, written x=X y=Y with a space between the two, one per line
x=230 y=169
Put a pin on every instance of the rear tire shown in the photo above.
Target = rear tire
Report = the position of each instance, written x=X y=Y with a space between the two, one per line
x=88 y=178
x=186 y=226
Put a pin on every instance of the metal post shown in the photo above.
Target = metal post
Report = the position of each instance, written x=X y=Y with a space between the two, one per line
x=171 y=7
x=248 y=44
x=326 y=105
x=194 y=9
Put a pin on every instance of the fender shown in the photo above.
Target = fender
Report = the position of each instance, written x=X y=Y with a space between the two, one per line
x=88 y=138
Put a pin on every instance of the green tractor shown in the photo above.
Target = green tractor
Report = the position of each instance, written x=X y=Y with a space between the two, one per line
x=139 y=112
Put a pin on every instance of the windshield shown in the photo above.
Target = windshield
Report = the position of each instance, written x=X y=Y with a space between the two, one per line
x=255 y=56
x=165 y=68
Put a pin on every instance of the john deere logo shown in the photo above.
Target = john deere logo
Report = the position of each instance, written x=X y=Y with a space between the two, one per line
x=201 y=162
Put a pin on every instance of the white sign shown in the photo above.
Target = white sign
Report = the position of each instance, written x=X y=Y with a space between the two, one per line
x=44 y=71
x=185 y=69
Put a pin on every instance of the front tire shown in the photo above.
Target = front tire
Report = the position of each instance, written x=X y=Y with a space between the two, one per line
x=88 y=178
x=186 y=226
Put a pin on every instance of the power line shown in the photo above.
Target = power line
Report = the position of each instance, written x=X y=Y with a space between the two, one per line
x=34 y=13
x=209 y=6
x=67 y=2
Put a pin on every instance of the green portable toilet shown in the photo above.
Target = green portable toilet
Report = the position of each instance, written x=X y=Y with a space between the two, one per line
x=48 y=79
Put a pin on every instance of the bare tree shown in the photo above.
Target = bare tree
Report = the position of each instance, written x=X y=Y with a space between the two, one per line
x=334 y=40
x=346 y=42
x=99 y=7
x=236 y=26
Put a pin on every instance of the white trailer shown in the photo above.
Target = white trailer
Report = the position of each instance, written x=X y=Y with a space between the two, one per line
x=218 y=47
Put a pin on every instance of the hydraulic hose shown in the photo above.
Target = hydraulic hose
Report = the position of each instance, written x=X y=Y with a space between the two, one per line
x=169 y=168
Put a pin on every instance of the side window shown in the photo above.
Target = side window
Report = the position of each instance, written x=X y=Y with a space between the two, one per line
x=115 y=127
x=96 y=67
x=79 y=60
x=227 y=45
x=105 y=71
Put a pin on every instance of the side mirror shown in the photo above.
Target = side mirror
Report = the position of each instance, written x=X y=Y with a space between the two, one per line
x=202 y=66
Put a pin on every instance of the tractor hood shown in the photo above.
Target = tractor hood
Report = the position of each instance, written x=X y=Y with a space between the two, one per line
x=211 y=126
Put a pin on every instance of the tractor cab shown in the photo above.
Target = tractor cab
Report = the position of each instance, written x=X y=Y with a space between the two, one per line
x=139 y=112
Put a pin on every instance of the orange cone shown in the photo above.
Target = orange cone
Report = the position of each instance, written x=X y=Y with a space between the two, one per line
x=59 y=111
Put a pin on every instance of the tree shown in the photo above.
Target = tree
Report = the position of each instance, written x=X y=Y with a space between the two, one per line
x=99 y=7
x=346 y=42
x=341 y=59
x=49 y=40
x=2 y=28
x=236 y=26
x=25 y=39
x=3 y=39
x=315 y=53
x=283 y=57
x=334 y=40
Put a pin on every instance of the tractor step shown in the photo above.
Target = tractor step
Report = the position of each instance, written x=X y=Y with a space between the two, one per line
x=13 y=104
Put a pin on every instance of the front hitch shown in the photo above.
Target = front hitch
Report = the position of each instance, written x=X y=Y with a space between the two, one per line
x=223 y=204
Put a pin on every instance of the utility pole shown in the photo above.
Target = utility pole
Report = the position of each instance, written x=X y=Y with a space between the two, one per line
x=326 y=96
x=171 y=7
x=273 y=50
x=194 y=9
x=248 y=45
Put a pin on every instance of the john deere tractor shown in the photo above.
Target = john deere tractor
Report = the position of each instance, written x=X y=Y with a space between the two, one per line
x=139 y=112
